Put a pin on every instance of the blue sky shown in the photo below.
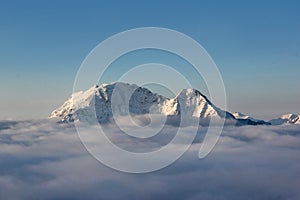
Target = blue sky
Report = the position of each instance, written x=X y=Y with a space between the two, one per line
x=255 y=44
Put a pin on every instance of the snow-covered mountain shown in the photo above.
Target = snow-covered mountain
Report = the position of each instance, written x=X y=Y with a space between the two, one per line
x=106 y=100
x=286 y=119
x=97 y=102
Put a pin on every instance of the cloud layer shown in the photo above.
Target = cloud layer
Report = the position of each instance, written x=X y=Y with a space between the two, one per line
x=46 y=160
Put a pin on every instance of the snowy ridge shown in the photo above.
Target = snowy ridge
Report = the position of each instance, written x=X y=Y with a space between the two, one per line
x=239 y=115
x=96 y=102
x=286 y=119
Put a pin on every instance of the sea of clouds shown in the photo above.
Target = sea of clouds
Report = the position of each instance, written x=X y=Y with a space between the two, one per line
x=43 y=159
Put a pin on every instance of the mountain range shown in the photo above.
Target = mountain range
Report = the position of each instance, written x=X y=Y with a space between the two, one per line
x=121 y=99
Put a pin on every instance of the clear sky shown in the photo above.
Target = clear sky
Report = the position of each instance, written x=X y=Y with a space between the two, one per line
x=255 y=44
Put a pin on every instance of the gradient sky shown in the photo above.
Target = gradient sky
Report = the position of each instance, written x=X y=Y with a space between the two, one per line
x=255 y=44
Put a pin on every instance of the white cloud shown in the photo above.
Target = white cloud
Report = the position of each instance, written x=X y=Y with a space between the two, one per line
x=46 y=160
